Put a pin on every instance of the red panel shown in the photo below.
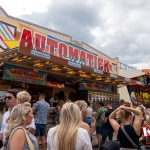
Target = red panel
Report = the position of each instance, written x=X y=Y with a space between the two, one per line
x=40 y=42
x=53 y=45
x=62 y=50
x=26 y=39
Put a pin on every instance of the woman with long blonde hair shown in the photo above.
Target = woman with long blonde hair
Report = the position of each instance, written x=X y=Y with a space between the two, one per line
x=68 y=135
x=83 y=108
x=15 y=137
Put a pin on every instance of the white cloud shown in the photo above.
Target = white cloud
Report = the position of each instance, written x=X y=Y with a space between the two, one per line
x=17 y=8
x=119 y=28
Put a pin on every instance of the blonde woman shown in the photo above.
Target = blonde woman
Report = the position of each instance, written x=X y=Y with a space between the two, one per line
x=23 y=97
x=68 y=135
x=15 y=138
x=125 y=115
x=83 y=108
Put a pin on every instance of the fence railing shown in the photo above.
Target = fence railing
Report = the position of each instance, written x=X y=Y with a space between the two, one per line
x=126 y=67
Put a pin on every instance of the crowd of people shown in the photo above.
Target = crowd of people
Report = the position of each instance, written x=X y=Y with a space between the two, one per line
x=127 y=121
x=25 y=126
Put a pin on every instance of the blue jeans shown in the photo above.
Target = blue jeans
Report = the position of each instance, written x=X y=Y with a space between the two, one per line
x=99 y=130
x=40 y=130
x=56 y=117
x=106 y=133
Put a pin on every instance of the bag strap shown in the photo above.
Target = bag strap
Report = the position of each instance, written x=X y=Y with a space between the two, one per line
x=128 y=137
x=29 y=141
x=31 y=147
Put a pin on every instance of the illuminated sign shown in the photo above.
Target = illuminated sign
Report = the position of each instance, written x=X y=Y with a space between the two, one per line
x=21 y=74
x=52 y=46
x=31 y=41
x=56 y=85
x=95 y=86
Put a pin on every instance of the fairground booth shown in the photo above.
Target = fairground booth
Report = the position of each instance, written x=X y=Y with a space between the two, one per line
x=38 y=59
x=139 y=92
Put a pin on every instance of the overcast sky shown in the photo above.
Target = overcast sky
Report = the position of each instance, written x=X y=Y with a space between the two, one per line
x=118 y=28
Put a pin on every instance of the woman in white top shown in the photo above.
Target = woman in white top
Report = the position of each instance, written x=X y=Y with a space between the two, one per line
x=68 y=135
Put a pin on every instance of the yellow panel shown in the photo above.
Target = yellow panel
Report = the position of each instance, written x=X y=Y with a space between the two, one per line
x=11 y=43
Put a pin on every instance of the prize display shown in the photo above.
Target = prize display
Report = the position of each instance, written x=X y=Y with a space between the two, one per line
x=95 y=97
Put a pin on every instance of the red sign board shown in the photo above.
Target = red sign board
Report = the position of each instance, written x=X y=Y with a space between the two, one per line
x=44 y=46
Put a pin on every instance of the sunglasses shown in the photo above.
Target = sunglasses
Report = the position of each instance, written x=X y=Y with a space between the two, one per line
x=9 y=97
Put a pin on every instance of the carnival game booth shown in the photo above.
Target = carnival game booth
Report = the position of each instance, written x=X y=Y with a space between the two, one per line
x=39 y=57
x=139 y=92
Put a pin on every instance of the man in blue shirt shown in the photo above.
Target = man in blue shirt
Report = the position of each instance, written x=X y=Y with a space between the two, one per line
x=41 y=110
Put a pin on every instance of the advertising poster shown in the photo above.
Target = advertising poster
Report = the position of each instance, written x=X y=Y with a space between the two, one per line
x=21 y=74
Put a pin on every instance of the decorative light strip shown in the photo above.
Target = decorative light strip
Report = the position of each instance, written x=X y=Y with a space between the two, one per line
x=70 y=72
x=56 y=69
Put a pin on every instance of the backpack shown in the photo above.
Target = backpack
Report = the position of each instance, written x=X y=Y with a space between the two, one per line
x=101 y=118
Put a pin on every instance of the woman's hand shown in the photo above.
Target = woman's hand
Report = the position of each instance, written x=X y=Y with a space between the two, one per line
x=121 y=107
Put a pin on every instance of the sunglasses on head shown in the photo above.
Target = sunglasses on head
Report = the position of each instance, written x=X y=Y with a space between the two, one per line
x=9 y=97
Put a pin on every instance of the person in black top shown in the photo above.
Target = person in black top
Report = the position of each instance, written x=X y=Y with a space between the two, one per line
x=125 y=115
x=107 y=128
x=55 y=102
